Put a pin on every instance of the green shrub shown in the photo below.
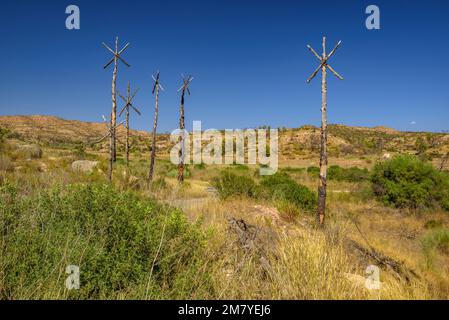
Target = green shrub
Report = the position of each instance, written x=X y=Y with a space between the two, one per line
x=238 y=166
x=433 y=224
x=313 y=171
x=292 y=170
x=437 y=239
x=281 y=187
x=173 y=173
x=3 y=134
x=115 y=238
x=229 y=184
x=407 y=182
x=200 y=166
x=353 y=174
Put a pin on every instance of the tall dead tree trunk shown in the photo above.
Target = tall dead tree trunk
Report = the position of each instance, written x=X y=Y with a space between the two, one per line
x=128 y=104
x=322 y=184
x=111 y=158
x=114 y=106
x=153 y=144
x=127 y=128
x=113 y=121
x=181 y=140
x=183 y=89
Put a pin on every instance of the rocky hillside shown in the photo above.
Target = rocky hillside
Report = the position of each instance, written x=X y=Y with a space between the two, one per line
x=343 y=140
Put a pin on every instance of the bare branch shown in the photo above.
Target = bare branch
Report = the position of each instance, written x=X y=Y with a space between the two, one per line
x=109 y=63
x=314 y=52
x=135 y=109
x=124 y=48
x=324 y=47
x=106 y=46
x=333 y=50
x=126 y=63
x=334 y=72
x=314 y=73
x=104 y=137
x=123 y=98
x=123 y=109
x=134 y=94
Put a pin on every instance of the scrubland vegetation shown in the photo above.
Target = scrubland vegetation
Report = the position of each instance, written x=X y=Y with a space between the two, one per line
x=226 y=233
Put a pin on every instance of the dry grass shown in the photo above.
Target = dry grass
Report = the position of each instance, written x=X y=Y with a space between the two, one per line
x=301 y=262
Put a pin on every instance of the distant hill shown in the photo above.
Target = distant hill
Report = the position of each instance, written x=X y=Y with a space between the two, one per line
x=343 y=140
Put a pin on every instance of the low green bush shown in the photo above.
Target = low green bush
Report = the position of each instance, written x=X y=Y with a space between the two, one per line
x=200 y=166
x=277 y=187
x=353 y=174
x=292 y=170
x=313 y=171
x=3 y=134
x=229 y=184
x=407 y=182
x=435 y=240
x=281 y=187
x=238 y=166
x=125 y=247
x=173 y=173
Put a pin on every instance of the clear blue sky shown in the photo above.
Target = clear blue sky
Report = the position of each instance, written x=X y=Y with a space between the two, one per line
x=249 y=60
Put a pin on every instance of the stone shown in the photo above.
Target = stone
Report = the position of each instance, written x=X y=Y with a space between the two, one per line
x=84 y=165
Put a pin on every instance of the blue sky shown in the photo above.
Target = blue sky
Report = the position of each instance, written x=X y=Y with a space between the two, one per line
x=249 y=60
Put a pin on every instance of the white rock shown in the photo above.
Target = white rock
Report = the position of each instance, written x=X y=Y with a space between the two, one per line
x=84 y=165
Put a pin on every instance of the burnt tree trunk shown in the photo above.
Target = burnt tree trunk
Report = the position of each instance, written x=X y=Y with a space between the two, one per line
x=127 y=137
x=112 y=144
x=114 y=106
x=181 y=140
x=153 y=144
x=322 y=184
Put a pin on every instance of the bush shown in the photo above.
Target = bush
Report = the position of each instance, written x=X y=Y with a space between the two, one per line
x=30 y=151
x=313 y=171
x=353 y=174
x=3 y=134
x=437 y=239
x=124 y=246
x=229 y=184
x=173 y=173
x=407 y=182
x=292 y=170
x=281 y=187
x=200 y=166
x=238 y=166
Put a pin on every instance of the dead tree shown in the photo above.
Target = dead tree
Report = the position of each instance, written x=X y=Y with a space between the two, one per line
x=323 y=145
x=116 y=53
x=111 y=131
x=128 y=104
x=444 y=161
x=156 y=88
x=184 y=88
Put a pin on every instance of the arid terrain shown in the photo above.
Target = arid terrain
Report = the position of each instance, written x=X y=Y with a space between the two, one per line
x=226 y=232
